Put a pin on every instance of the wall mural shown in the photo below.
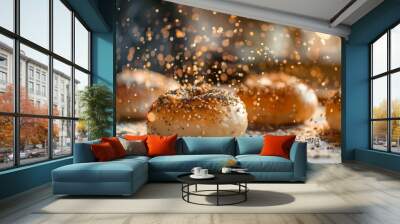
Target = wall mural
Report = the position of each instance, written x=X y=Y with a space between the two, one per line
x=196 y=72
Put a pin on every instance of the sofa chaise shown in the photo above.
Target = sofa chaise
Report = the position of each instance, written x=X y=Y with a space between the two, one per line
x=125 y=176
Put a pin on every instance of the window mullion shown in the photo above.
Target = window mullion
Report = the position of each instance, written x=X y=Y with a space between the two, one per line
x=50 y=81
x=73 y=82
x=16 y=70
x=389 y=104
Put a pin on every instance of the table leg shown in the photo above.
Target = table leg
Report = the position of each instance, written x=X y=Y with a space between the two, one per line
x=195 y=188
x=217 y=194
x=245 y=193
x=188 y=189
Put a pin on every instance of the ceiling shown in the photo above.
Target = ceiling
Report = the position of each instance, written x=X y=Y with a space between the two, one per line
x=326 y=16
x=319 y=9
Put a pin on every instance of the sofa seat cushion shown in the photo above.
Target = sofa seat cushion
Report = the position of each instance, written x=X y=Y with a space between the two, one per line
x=113 y=171
x=257 y=163
x=185 y=163
x=133 y=157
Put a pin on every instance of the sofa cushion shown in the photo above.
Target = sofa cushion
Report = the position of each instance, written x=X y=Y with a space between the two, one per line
x=185 y=163
x=112 y=171
x=257 y=163
x=134 y=147
x=103 y=152
x=161 y=145
x=275 y=145
x=206 y=145
x=116 y=145
x=249 y=144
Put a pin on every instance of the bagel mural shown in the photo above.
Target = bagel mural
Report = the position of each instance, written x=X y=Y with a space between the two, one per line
x=194 y=72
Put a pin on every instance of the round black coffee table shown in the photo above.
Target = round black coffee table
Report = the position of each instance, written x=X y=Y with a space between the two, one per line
x=238 y=179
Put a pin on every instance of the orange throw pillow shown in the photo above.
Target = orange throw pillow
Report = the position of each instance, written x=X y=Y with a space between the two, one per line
x=161 y=145
x=277 y=145
x=135 y=137
x=116 y=145
x=103 y=152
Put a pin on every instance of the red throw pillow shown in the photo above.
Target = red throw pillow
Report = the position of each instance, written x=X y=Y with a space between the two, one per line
x=116 y=145
x=103 y=152
x=277 y=145
x=161 y=145
x=135 y=137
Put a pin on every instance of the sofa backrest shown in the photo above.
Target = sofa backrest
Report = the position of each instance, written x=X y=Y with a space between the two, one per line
x=249 y=144
x=83 y=152
x=206 y=145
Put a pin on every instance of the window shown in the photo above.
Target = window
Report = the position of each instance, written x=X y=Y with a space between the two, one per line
x=6 y=73
x=62 y=74
x=30 y=87
x=37 y=89
x=41 y=123
x=7 y=14
x=35 y=21
x=3 y=72
x=44 y=91
x=385 y=94
x=62 y=32
x=3 y=78
x=38 y=73
x=3 y=61
x=30 y=72
x=81 y=45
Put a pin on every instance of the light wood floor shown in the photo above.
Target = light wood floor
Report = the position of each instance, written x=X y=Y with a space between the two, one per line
x=379 y=189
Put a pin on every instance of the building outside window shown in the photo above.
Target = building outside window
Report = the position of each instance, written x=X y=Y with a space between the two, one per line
x=3 y=72
x=59 y=127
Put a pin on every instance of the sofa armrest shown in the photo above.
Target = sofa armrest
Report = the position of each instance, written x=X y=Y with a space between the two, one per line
x=298 y=155
x=83 y=152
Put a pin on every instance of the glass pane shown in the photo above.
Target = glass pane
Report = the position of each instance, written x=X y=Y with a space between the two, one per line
x=379 y=55
x=395 y=47
x=379 y=135
x=34 y=97
x=62 y=89
x=35 y=21
x=81 y=81
x=81 y=45
x=379 y=98
x=62 y=138
x=6 y=74
x=7 y=14
x=395 y=94
x=81 y=131
x=62 y=29
x=395 y=136
x=6 y=142
x=33 y=139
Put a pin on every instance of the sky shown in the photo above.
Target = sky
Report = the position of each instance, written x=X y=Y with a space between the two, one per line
x=34 y=26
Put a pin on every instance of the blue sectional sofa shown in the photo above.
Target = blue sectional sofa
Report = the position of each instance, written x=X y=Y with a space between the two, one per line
x=125 y=176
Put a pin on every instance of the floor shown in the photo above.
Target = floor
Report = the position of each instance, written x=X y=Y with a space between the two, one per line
x=379 y=189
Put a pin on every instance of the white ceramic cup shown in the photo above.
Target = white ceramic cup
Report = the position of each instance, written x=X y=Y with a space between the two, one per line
x=196 y=171
x=226 y=170
x=203 y=172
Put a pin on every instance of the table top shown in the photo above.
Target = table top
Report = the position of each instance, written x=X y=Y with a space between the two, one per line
x=220 y=178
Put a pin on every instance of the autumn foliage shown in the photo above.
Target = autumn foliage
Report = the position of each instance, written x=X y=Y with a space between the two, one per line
x=33 y=131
